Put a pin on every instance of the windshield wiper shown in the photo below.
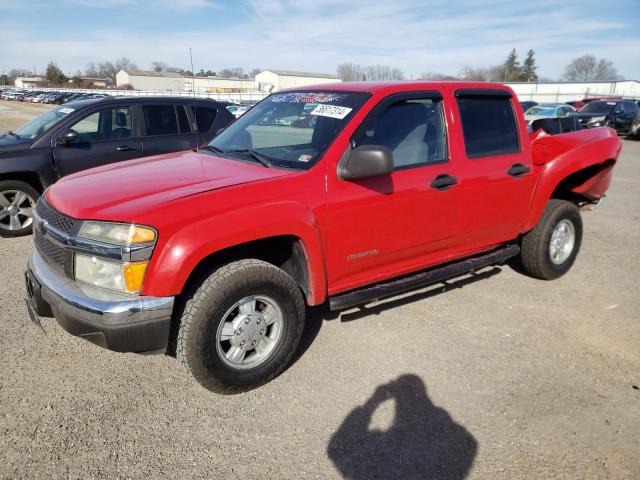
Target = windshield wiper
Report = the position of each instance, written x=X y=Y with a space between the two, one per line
x=213 y=149
x=13 y=134
x=255 y=155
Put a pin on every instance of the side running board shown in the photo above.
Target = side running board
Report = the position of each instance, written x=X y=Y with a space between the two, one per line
x=421 y=279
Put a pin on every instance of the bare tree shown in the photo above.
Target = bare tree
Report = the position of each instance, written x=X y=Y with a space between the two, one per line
x=472 y=73
x=124 y=63
x=350 y=72
x=588 y=68
x=254 y=72
x=235 y=72
x=436 y=76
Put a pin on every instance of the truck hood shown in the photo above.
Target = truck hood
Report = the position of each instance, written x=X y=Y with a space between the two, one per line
x=127 y=189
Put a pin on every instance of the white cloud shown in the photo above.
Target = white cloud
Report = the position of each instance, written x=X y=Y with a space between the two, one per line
x=316 y=35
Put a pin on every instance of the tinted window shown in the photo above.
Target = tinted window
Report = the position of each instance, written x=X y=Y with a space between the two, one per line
x=183 y=120
x=204 y=118
x=630 y=108
x=488 y=125
x=160 y=119
x=107 y=124
x=599 y=107
x=412 y=129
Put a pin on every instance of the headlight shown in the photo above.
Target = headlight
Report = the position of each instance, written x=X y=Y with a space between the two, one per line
x=117 y=233
x=596 y=120
x=110 y=275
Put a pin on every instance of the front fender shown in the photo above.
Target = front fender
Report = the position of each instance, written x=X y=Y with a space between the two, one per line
x=174 y=261
x=559 y=156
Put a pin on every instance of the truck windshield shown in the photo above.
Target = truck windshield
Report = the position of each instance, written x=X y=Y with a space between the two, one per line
x=44 y=122
x=289 y=129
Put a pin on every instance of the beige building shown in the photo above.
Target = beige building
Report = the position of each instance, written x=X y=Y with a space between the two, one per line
x=219 y=85
x=146 y=80
x=28 y=82
x=274 y=80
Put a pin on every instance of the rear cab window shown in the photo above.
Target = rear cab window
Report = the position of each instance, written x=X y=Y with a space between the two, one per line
x=205 y=116
x=489 y=125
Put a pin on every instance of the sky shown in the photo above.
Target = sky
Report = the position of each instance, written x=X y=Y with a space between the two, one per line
x=416 y=36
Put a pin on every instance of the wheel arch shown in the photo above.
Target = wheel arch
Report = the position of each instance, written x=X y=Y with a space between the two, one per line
x=31 y=178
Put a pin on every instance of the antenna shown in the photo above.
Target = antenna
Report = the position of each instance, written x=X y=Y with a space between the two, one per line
x=195 y=106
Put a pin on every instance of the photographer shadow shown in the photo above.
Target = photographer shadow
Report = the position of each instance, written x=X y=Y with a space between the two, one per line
x=422 y=443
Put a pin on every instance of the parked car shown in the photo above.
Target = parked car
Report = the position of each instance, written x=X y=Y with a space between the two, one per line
x=617 y=114
x=548 y=110
x=527 y=104
x=578 y=104
x=85 y=134
x=225 y=245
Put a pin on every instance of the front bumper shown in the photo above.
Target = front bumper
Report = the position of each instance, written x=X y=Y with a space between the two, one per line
x=117 y=322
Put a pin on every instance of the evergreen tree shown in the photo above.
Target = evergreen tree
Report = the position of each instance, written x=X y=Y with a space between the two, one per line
x=529 y=68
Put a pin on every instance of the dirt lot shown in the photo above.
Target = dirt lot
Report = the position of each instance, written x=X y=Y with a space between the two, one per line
x=501 y=378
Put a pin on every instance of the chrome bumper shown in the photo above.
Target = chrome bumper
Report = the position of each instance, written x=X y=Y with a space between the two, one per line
x=114 y=321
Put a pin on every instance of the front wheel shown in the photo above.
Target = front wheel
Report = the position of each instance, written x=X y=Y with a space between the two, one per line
x=17 y=201
x=550 y=249
x=241 y=327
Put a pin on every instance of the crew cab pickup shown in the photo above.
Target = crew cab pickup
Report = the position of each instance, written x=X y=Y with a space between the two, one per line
x=384 y=187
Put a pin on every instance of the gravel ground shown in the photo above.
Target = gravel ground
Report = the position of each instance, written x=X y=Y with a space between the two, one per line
x=494 y=377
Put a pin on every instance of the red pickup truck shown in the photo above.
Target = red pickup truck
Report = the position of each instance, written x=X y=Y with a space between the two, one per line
x=343 y=193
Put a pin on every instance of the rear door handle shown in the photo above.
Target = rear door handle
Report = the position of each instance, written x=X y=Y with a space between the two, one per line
x=443 y=182
x=125 y=148
x=517 y=170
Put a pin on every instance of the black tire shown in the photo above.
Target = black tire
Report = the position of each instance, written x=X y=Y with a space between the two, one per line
x=16 y=186
x=196 y=346
x=535 y=248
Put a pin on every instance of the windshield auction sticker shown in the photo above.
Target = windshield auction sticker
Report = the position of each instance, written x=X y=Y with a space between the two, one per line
x=332 y=111
x=66 y=110
x=306 y=97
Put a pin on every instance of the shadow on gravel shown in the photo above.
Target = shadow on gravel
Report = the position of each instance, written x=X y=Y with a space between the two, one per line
x=436 y=289
x=315 y=316
x=423 y=442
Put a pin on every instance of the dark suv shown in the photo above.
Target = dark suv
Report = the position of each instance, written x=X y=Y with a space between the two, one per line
x=617 y=114
x=90 y=133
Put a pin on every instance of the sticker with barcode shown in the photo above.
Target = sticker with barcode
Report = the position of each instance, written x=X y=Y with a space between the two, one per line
x=332 y=111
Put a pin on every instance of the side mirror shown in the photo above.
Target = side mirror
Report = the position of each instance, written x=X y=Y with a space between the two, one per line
x=68 y=138
x=366 y=161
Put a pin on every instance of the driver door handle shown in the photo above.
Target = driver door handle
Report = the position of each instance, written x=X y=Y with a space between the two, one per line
x=125 y=148
x=443 y=182
x=517 y=170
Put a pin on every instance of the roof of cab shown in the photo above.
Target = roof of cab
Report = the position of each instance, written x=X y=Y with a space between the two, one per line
x=407 y=85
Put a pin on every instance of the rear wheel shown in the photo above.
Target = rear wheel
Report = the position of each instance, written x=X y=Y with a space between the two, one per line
x=550 y=249
x=241 y=327
x=17 y=201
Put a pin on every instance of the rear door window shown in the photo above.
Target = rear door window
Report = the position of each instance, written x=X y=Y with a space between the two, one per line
x=488 y=124
x=160 y=119
x=204 y=117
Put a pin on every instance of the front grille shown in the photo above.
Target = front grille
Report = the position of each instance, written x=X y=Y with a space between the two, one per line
x=52 y=253
x=57 y=220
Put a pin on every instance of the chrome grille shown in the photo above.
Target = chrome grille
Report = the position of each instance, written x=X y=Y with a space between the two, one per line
x=52 y=253
x=54 y=218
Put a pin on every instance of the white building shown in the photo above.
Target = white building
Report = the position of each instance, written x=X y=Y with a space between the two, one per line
x=273 y=80
x=220 y=85
x=568 y=91
x=27 y=82
x=146 y=80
